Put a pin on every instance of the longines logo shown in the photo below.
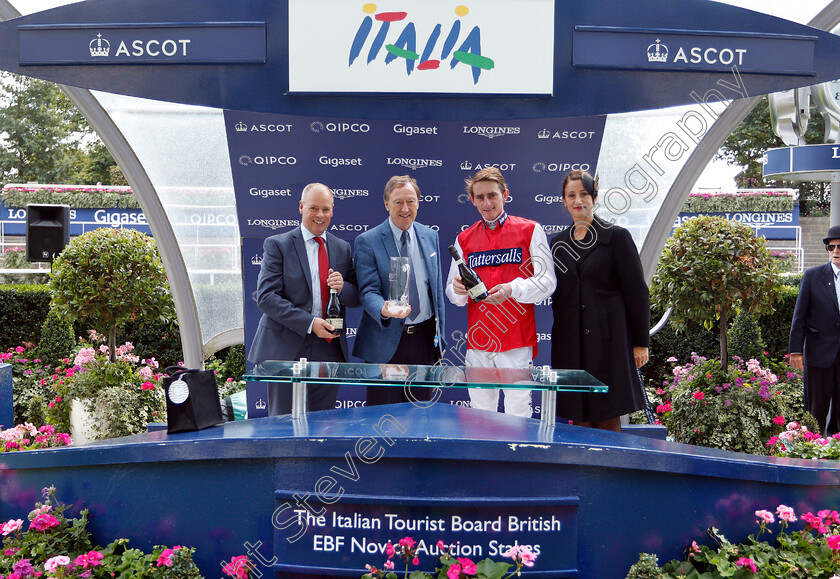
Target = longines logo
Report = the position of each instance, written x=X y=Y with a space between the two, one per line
x=266 y=160
x=348 y=193
x=546 y=134
x=273 y=223
x=415 y=164
x=318 y=126
x=257 y=259
x=468 y=166
x=491 y=132
x=262 y=128
x=539 y=167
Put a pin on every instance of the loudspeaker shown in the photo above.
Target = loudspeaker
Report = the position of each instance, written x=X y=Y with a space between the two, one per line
x=47 y=231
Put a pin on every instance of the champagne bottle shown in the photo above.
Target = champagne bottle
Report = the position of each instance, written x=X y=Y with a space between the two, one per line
x=475 y=287
x=334 y=317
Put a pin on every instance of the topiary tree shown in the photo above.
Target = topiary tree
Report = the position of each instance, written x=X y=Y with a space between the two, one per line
x=108 y=277
x=57 y=339
x=712 y=268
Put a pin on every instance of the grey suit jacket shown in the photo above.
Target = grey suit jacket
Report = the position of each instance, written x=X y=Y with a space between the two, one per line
x=377 y=340
x=284 y=294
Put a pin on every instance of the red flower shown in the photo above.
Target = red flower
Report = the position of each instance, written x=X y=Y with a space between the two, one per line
x=699 y=395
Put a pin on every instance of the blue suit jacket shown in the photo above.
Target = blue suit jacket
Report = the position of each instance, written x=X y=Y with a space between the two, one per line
x=284 y=294
x=815 y=329
x=377 y=340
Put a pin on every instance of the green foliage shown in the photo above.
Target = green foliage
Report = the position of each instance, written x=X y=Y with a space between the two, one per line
x=811 y=553
x=745 y=339
x=77 y=197
x=57 y=340
x=23 y=309
x=646 y=568
x=156 y=339
x=15 y=258
x=731 y=202
x=710 y=269
x=109 y=277
x=45 y=136
x=51 y=533
x=731 y=409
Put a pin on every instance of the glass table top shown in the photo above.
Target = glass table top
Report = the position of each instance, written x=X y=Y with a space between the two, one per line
x=446 y=375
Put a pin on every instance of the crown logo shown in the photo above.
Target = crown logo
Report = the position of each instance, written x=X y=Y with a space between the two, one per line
x=260 y=405
x=99 y=46
x=466 y=166
x=544 y=134
x=657 y=52
x=256 y=260
x=240 y=127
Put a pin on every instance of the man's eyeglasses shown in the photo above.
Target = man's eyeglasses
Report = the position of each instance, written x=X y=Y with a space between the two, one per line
x=832 y=247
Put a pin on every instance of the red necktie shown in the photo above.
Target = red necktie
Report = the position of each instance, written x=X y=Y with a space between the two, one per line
x=323 y=268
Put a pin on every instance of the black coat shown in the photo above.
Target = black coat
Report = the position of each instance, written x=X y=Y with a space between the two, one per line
x=601 y=311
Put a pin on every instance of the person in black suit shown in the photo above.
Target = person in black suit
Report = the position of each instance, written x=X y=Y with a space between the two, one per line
x=814 y=344
x=601 y=310
x=292 y=292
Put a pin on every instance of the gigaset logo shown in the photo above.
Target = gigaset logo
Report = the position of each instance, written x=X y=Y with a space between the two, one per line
x=405 y=46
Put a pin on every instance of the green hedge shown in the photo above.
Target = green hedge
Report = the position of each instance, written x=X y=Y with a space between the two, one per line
x=75 y=197
x=730 y=203
x=24 y=308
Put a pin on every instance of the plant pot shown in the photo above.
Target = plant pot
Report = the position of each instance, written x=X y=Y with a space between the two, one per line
x=83 y=423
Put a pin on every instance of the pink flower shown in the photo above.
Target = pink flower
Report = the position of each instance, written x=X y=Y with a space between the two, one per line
x=512 y=552
x=528 y=557
x=441 y=545
x=389 y=564
x=833 y=542
x=468 y=566
x=699 y=395
x=779 y=420
x=786 y=513
x=165 y=558
x=389 y=550
x=454 y=572
x=238 y=567
x=148 y=386
x=53 y=563
x=671 y=359
x=12 y=526
x=415 y=561
x=42 y=523
x=407 y=543
x=765 y=516
x=773 y=440
x=746 y=562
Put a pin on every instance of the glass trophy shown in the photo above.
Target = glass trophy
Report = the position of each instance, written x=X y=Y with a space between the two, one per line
x=399 y=277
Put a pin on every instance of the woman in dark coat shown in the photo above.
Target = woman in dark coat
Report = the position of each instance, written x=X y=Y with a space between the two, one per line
x=601 y=310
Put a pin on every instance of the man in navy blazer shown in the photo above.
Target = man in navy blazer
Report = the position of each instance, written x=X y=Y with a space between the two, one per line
x=815 y=336
x=385 y=334
x=289 y=294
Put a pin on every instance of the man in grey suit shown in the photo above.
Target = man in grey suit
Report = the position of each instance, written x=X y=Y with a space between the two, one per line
x=385 y=334
x=298 y=270
x=815 y=336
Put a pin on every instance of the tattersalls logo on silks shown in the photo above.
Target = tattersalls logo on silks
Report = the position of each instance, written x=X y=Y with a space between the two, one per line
x=436 y=50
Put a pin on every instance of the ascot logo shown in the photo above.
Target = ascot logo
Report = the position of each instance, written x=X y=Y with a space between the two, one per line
x=405 y=45
x=256 y=260
x=467 y=166
x=657 y=52
x=99 y=46
x=544 y=134
x=240 y=127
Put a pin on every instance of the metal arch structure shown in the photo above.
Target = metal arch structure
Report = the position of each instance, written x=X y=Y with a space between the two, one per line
x=660 y=229
x=141 y=185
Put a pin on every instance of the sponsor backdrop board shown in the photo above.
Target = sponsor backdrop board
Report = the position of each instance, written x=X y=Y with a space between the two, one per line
x=274 y=156
x=767 y=224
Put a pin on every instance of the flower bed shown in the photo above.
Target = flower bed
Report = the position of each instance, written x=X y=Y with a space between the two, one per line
x=749 y=200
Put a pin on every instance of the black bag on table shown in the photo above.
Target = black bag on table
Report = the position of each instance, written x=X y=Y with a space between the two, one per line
x=192 y=399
